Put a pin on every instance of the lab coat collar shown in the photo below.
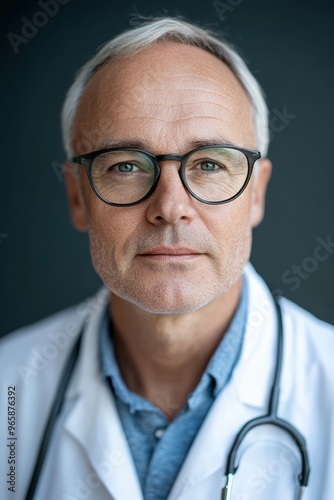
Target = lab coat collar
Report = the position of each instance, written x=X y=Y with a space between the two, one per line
x=253 y=375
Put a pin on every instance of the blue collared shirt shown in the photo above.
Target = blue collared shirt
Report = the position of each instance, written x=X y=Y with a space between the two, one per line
x=159 y=447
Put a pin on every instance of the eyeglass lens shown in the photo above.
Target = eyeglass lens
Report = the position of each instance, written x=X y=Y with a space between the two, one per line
x=212 y=174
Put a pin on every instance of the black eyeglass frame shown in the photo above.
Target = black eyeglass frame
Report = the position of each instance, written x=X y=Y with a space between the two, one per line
x=87 y=161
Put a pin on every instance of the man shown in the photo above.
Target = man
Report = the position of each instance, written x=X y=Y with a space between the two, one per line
x=166 y=135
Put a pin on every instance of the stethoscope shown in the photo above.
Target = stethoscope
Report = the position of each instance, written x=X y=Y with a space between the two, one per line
x=270 y=418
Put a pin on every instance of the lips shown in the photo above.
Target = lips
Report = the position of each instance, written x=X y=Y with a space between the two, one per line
x=173 y=251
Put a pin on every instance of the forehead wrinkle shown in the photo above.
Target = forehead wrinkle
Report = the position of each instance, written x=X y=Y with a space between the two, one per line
x=221 y=88
x=210 y=103
x=212 y=73
x=195 y=90
x=219 y=79
x=176 y=120
x=196 y=87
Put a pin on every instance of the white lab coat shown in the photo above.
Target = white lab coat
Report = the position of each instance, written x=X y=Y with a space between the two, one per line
x=89 y=457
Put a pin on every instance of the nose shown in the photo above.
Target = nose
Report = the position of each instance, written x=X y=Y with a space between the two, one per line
x=170 y=201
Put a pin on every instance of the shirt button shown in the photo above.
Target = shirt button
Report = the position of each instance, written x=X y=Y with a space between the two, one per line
x=159 y=433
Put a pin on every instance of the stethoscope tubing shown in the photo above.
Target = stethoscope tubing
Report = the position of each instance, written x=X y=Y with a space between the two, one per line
x=54 y=413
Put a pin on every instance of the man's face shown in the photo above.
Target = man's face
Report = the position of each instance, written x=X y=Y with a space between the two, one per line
x=169 y=98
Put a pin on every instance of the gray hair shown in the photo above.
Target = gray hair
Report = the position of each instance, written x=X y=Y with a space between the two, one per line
x=173 y=29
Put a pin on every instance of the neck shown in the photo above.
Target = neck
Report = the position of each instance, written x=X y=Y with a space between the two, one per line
x=162 y=357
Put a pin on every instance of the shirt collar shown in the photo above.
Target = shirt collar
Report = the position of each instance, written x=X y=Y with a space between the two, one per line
x=213 y=380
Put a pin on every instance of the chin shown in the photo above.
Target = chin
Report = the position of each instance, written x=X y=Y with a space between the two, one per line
x=172 y=309
x=169 y=300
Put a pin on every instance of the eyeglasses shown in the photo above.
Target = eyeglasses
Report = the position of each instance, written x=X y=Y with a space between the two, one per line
x=126 y=176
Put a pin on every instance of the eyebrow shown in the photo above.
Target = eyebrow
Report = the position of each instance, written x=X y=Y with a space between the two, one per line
x=142 y=144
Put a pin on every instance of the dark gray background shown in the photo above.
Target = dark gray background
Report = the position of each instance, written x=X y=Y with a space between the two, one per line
x=45 y=263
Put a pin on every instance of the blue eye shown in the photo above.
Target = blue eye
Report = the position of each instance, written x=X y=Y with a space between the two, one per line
x=208 y=166
x=126 y=167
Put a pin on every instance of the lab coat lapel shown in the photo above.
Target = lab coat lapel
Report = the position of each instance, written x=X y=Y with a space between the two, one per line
x=255 y=371
x=94 y=422
x=245 y=397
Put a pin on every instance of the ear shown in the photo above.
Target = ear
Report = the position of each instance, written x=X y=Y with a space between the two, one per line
x=75 y=199
x=259 y=188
